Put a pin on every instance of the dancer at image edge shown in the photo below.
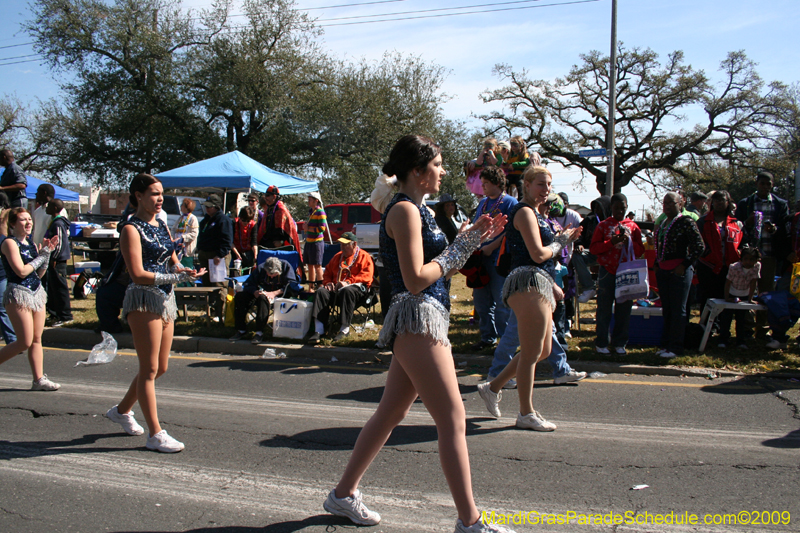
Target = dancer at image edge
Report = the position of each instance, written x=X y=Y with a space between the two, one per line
x=25 y=297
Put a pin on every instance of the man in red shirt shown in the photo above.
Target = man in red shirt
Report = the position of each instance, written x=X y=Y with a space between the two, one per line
x=608 y=239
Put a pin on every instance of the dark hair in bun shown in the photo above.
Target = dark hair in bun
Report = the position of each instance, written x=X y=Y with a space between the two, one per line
x=140 y=184
x=409 y=153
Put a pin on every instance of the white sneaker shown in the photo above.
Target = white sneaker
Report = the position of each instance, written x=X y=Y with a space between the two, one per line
x=661 y=350
x=567 y=335
x=620 y=350
x=351 y=507
x=162 y=442
x=666 y=354
x=43 y=383
x=604 y=351
x=776 y=345
x=585 y=296
x=511 y=384
x=490 y=399
x=127 y=421
x=534 y=421
x=480 y=527
x=570 y=378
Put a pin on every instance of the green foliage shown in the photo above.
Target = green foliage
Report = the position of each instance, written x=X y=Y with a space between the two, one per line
x=157 y=87
x=740 y=115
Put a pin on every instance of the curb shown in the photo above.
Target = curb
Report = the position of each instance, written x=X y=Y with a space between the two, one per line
x=83 y=338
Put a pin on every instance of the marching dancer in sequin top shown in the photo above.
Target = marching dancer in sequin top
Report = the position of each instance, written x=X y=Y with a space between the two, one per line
x=417 y=260
x=25 y=298
x=149 y=307
x=528 y=290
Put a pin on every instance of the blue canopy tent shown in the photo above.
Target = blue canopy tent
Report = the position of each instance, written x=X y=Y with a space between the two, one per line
x=61 y=193
x=232 y=172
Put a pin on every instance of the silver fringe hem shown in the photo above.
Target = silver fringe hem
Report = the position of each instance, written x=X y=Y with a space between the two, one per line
x=527 y=278
x=24 y=297
x=417 y=314
x=149 y=299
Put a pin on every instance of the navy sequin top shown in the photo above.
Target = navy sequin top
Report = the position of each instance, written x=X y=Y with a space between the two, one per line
x=516 y=245
x=157 y=247
x=28 y=252
x=433 y=242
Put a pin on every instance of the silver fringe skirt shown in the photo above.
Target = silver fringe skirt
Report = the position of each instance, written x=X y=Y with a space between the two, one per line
x=418 y=314
x=526 y=279
x=149 y=299
x=24 y=297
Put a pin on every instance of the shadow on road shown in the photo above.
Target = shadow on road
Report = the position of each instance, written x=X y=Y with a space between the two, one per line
x=752 y=385
x=266 y=365
x=332 y=524
x=345 y=438
x=23 y=449
x=789 y=441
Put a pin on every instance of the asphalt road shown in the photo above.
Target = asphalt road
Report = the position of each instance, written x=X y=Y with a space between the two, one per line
x=266 y=440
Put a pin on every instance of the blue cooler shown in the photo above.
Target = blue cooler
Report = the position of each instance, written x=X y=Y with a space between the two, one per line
x=75 y=228
x=646 y=326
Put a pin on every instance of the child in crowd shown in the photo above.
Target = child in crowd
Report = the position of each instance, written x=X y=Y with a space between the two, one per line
x=740 y=285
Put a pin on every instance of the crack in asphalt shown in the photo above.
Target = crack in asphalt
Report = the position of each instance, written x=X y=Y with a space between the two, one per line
x=778 y=392
x=14 y=513
x=39 y=414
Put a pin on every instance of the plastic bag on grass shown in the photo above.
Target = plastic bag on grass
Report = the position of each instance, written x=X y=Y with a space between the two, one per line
x=104 y=352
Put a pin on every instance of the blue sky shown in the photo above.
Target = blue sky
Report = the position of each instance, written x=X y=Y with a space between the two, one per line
x=545 y=40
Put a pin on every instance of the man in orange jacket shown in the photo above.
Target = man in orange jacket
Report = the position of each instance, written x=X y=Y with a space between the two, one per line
x=346 y=280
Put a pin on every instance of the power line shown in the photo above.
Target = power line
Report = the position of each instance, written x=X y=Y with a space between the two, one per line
x=18 y=62
x=15 y=45
x=431 y=10
x=456 y=14
x=334 y=7
x=244 y=28
x=19 y=57
x=350 y=5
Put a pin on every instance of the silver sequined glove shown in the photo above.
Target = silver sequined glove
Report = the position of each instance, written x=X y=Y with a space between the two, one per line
x=455 y=255
x=171 y=279
x=41 y=260
x=558 y=244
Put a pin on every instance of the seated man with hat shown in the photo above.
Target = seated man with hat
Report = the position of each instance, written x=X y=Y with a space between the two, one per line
x=264 y=284
x=346 y=280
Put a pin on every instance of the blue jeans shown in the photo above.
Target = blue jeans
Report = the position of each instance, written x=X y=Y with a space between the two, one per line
x=606 y=287
x=108 y=304
x=560 y=321
x=674 y=291
x=581 y=261
x=489 y=306
x=509 y=343
x=5 y=324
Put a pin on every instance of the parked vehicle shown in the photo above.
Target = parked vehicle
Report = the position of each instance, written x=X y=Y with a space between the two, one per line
x=104 y=248
x=342 y=217
x=367 y=234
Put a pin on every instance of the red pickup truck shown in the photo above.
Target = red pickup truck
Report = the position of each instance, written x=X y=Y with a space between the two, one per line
x=342 y=217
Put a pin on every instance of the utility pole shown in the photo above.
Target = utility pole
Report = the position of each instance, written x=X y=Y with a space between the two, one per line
x=612 y=100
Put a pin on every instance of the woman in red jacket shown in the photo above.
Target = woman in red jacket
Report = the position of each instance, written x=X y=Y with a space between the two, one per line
x=609 y=237
x=722 y=235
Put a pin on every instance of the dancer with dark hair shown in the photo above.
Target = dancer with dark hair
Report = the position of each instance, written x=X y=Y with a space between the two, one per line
x=149 y=307
x=417 y=261
x=25 y=297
